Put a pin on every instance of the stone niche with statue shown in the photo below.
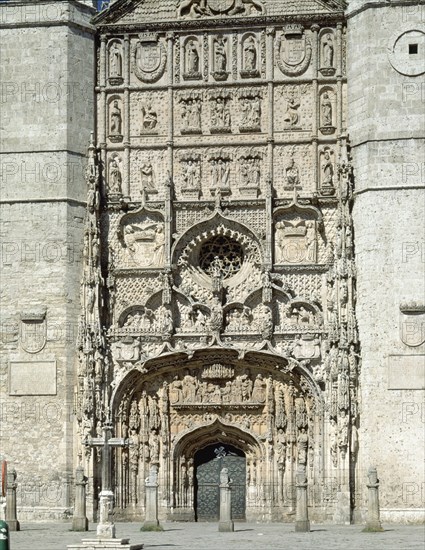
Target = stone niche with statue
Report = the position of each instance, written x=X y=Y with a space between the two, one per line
x=223 y=290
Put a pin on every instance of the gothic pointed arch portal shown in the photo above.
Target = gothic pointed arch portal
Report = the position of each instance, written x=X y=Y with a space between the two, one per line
x=179 y=407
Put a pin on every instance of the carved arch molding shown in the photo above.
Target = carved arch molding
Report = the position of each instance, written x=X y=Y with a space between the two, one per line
x=263 y=405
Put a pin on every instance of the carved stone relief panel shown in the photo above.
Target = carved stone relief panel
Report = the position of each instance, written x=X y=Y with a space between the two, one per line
x=296 y=238
x=189 y=175
x=148 y=174
x=189 y=112
x=250 y=171
x=132 y=290
x=220 y=164
x=293 y=50
x=148 y=58
x=293 y=109
x=220 y=111
x=250 y=109
x=143 y=241
x=295 y=169
x=194 y=9
x=148 y=114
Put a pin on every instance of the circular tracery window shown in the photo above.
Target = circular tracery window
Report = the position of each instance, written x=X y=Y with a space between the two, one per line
x=221 y=256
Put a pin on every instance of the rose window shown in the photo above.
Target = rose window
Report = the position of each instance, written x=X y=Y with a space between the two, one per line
x=221 y=256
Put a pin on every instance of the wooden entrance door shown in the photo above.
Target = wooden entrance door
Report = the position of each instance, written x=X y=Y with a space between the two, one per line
x=208 y=463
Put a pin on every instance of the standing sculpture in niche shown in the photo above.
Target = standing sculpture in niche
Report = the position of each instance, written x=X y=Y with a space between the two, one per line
x=115 y=122
x=328 y=51
x=115 y=64
x=147 y=176
x=220 y=58
x=192 y=60
x=250 y=108
x=149 y=118
x=250 y=58
x=191 y=115
x=115 y=178
x=328 y=187
x=326 y=114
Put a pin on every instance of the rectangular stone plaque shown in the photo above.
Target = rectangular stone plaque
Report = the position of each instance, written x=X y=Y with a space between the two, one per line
x=32 y=378
x=406 y=372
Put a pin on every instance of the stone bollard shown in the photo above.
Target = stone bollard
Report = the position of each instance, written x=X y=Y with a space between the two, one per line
x=11 y=485
x=302 y=524
x=373 y=522
x=151 y=522
x=79 y=520
x=225 y=523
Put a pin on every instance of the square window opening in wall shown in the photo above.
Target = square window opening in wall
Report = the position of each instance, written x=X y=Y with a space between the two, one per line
x=413 y=49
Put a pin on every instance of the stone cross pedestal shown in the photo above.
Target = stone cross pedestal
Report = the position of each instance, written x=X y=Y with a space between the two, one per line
x=10 y=516
x=151 y=505
x=106 y=527
x=225 y=523
x=302 y=524
x=373 y=522
x=79 y=520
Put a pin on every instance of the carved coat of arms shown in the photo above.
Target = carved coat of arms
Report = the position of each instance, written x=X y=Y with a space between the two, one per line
x=33 y=331
x=293 y=51
x=412 y=324
x=149 y=57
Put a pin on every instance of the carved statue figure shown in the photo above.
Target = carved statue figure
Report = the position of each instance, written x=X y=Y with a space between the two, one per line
x=326 y=108
x=116 y=119
x=192 y=57
x=291 y=116
x=328 y=170
x=280 y=447
x=192 y=174
x=159 y=246
x=149 y=117
x=310 y=241
x=115 y=178
x=195 y=114
x=147 y=175
x=292 y=173
x=259 y=390
x=115 y=61
x=220 y=54
x=302 y=442
x=250 y=54
x=333 y=440
x=328 y=51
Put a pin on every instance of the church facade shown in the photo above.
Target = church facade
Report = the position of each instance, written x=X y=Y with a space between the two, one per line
x=233 y=239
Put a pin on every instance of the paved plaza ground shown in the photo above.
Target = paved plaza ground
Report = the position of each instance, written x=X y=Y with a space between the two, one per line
x=247 y=536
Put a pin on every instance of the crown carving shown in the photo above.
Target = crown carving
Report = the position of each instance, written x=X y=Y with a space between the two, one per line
x=293 y=29
x=412 y=307
x=148 y=37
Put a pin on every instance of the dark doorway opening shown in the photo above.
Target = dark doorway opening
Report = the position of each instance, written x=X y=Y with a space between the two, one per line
x=209 y=461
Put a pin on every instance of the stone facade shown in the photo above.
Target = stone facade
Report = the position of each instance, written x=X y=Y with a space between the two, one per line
x=219 y=292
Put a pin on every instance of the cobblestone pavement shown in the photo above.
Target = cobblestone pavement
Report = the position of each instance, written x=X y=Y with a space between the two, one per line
x=247 y=536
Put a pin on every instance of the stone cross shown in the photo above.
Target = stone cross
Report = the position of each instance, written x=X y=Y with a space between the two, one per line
x=11 y=485
x=225 y=523
x=106 y=527
x=373 y=516
x=302 y=524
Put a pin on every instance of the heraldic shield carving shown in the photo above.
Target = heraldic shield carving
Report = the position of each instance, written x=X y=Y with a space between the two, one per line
x=412 y=324
x=293 y=50
x=149 y=57
x=33 y=331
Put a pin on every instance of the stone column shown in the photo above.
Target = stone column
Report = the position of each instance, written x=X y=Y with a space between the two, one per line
x=79 y=520
x=302 y=524
x=373 y=522
x=225 y=523
x=151 y=503
x=11 y=518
